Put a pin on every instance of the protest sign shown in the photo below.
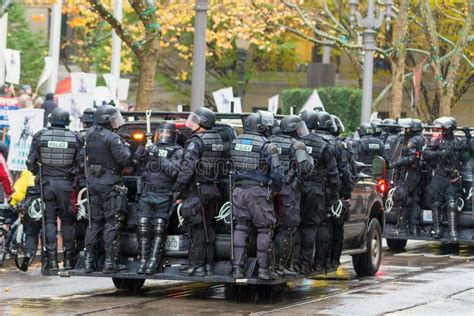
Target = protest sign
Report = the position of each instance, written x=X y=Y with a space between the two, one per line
x=75 y=104
x=27 y=123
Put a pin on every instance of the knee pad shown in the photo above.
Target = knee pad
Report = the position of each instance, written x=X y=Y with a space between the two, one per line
x=160 y=225
x=143 y=225
x=452 y=205
x=265 y=231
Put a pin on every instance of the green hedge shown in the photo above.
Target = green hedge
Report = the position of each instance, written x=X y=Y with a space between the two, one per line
x=343 y=102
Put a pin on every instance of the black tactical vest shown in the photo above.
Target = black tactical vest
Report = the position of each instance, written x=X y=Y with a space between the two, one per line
x=246 y=152
x=284 y=143
x=97 y=148
x=165 y=151
x=370 y=147
x=155 y=175
x=315 y=145
x=58 y=147
x=212 y=154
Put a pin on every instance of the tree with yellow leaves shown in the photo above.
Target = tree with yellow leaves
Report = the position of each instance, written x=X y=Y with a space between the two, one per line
x=166 y=43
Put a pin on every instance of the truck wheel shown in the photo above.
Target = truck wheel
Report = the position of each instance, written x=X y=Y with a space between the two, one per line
x=367 y=264
x=396 y=245
x=131 y=285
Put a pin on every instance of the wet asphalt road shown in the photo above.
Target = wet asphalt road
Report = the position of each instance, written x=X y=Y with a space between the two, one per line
x=428 y=278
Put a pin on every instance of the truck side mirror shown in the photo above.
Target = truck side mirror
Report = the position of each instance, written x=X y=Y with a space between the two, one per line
x=379 y=168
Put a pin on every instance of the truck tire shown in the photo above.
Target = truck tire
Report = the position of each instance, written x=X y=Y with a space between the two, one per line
x=368 y=263
x=130 y=285
x=396 y=245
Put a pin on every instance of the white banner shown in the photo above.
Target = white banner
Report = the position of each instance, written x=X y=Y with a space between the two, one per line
x=223 y=97
x=273 y=104
x=46 y=73
x=83 y=83
x=75 y=104
x=313 y=102
x=101 y=95
x=237 y=105
x=29 y=122
x=123 y=87
x=12 y=66
x=112 y=84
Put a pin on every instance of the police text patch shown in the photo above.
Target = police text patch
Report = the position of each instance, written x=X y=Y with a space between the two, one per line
x=242 y=147
x=217 y=147
x=55 y=144
x=162 y=153
x=374 y=146
x=309 y=150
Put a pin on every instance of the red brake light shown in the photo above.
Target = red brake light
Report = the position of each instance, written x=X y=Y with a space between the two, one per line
x=180 y=124
x=382 y=186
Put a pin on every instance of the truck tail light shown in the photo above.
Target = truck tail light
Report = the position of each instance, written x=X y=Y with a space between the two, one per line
x=382 y=186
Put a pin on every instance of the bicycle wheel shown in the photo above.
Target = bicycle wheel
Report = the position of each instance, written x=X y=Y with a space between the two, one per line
x=3 y=245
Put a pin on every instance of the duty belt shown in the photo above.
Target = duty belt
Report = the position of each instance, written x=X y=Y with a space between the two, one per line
x=250 y=183
x=58 y=177
x=149 y=187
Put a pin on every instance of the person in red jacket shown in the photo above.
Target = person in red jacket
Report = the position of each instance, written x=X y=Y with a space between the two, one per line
x=5 y=178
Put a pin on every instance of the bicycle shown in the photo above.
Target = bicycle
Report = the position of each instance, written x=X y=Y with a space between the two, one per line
x=12 y=236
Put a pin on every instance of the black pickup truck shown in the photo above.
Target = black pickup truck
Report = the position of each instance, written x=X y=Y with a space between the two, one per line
x=363 y=228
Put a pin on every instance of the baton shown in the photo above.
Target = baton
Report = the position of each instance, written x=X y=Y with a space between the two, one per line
x=148 y=129
x=231 y=202
x=86 y=175
x=43 y=220
x=203 y=211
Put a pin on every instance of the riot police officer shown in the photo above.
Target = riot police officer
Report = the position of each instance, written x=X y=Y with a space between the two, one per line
x=367 y=146
x=445 y=151
x=340 y=211
x=160 y=169
x=55 y=158
x=87 y=120
x=391 y=131
x=295 y=162
x=318 y=184
x=407 y=176
x=257 y=175
x=196 y=184
x=377 y=129
x=107 y=154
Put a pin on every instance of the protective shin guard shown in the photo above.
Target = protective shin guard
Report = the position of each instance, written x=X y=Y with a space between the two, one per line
x=264 y=240
x=240 y=243
x=143 y=235
x=154 y=263
x=452 y=213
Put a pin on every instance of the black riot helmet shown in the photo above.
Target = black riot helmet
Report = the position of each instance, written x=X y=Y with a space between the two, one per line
x=447 y=125
x=202 y=117
x=292 y=125
x=416 y=126
x=325 y=122
x=365 y=129
x=276 y=130
x=310 y=118
x=376 y=126
x=59 y=117
x=391 y=126
x=108 y=116
x=88 y=117
x=167 y=133
x=339 y=125
x=260 y=122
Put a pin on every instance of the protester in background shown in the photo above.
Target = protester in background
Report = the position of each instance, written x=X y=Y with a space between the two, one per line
x=5 y=178
x=26 y=97
x=38 y=103
x=7 y=91
x=4 y=150
x=48 y=107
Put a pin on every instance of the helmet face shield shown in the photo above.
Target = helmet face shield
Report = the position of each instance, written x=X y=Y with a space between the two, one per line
x=267 y=118
x=166 y=136
x=193 y=122
x=301 y=129
x=116 y=120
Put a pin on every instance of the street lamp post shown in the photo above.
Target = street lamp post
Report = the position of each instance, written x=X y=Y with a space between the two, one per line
x=242 y=51
x=198 y=87
x=370 y=25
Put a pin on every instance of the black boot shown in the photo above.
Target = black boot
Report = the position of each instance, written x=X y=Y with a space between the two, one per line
x=264 y=274
x=453 y=233
x=143 y=235
x=111 y=266
x=155 y=261
x=209 y=270
x=402 y=227
x=26 y=262
x=68 y=260
x=237 y=273
x=52 y=261
x=89 y=262
x=436 y=231
x=197 y=271
x=413 y=230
